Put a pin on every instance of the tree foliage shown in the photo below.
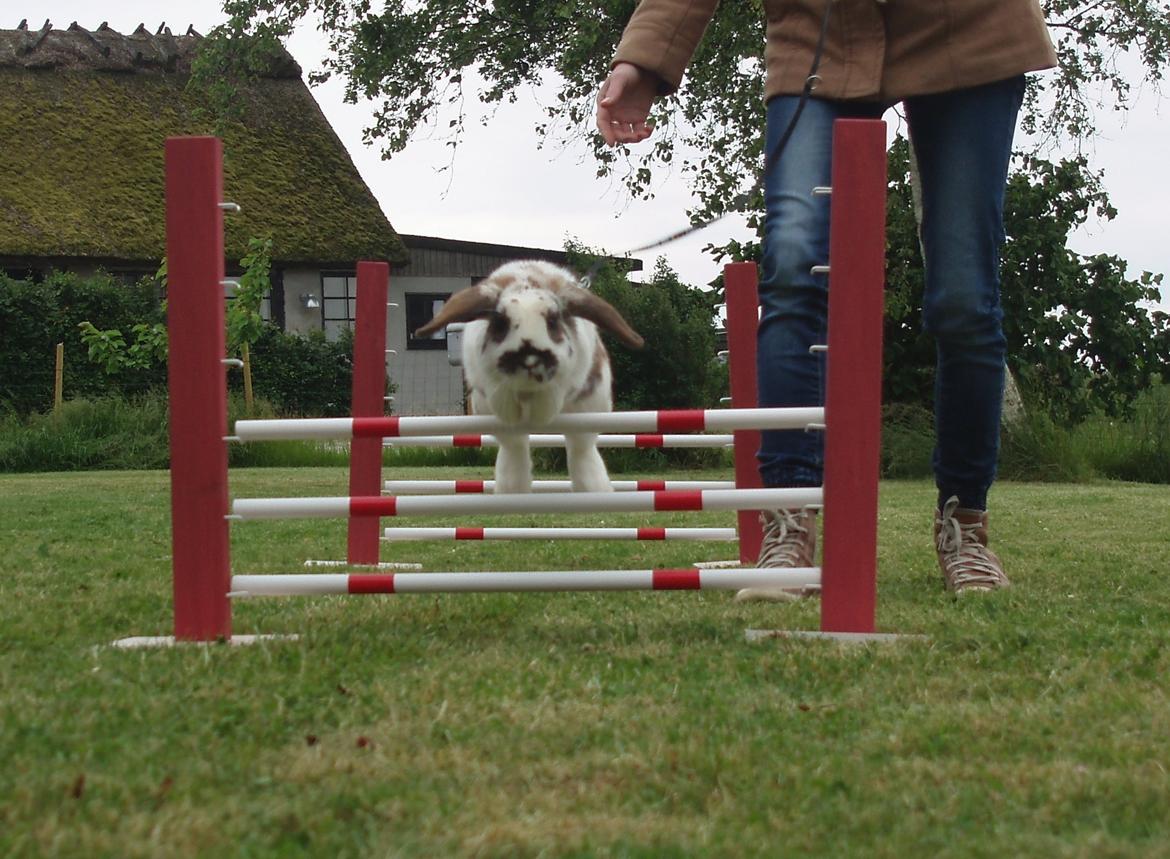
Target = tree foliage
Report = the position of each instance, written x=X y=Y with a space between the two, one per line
x=421 y=62
x=1080 y=334
x=677 y=367
x=1077 y=325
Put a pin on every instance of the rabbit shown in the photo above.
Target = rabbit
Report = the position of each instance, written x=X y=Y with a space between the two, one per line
x=532 y=350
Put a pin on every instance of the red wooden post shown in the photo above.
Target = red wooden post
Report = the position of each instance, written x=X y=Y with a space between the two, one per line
x=369 y=390
x=198 y=389
x=857 y=246
x=739 y=285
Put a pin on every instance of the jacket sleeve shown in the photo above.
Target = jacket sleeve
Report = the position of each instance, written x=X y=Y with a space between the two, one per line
x=662 y=35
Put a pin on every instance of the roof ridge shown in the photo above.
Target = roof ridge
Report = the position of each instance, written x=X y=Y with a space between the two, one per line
x=106 y=49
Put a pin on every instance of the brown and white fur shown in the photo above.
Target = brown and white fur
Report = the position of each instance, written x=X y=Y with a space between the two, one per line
x=532 y=350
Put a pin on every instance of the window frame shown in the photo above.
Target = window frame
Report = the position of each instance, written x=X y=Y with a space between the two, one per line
x=415 y=318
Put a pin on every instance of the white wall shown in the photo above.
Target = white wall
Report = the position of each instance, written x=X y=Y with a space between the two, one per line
x=298 y=282
x=425 y=382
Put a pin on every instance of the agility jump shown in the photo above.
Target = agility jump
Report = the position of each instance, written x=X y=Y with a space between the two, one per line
x=204 y=584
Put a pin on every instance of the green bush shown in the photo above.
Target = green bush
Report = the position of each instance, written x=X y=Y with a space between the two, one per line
x=302 y=375
x=1034 y=447
x=104 y=433
x=907 y=441
x=37 y=315
x=1134 y=449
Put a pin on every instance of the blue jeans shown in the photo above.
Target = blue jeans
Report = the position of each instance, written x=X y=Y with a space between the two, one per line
x=963 y=142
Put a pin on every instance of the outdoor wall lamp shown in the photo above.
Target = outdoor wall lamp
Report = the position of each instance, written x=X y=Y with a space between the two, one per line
x=310 y=301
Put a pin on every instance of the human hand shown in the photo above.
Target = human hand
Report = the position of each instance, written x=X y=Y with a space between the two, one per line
x=623 y=104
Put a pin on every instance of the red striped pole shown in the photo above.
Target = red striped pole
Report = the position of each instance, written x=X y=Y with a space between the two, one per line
x=487 y=487
x=740 y=296
x=369 y=391
x=640 y=440
x=481 y=533
x=525 y=503
x=653 y=422
x=684 y=579
x=197 y=388
x=854 y=385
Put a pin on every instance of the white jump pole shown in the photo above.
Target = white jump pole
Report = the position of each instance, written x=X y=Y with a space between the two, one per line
x=478 y=487
x=568 y=502
x=475 y=533
x=551 y=581
x=636 y=440
x=687 y=420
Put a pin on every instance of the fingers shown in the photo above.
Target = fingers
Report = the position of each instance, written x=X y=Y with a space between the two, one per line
x=621 y=113
x=616 y=130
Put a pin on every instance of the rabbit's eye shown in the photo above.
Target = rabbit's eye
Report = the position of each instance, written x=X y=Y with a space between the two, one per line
x=555 y=329
x=498 y=326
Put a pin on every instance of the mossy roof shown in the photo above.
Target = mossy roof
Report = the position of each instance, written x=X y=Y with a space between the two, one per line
x=83 y=120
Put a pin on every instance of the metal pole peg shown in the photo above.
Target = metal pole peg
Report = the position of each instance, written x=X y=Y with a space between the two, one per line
x=815 y=427
x=818 y=347
x=822 y=191
x=232 y=362
x=232 y=208
x=819 y=269
x=230 y=285
x=391 y=351
x=233 y=439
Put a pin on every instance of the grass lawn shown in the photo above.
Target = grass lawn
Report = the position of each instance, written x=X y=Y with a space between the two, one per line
x=1033 y=722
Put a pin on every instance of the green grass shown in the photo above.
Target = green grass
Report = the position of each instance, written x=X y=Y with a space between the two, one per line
x=1032 y=722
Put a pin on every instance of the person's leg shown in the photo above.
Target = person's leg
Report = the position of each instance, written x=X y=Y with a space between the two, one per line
x=793 y=301
x=963 y=142
x=794 y=307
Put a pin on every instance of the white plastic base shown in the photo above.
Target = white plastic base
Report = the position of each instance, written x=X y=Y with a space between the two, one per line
x=144 y=641
x=841 y=637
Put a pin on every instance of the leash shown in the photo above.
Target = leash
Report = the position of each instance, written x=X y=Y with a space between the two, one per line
x=741 y=201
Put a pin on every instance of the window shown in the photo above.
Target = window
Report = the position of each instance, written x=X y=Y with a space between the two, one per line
x=338 y=303
x=421 y=308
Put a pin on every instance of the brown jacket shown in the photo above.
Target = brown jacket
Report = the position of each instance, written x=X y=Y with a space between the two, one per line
x=876 y=50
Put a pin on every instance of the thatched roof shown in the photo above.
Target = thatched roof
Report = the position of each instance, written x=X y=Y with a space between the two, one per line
x=83 y=118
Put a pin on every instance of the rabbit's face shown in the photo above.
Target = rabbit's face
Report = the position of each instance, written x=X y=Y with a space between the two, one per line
x=531 y=327
x=529 y=336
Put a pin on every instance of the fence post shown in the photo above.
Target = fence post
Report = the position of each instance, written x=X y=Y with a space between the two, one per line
x=857 y=247
x=197 y=388
x=369 y=391
x=742 y=301
x=59 y=378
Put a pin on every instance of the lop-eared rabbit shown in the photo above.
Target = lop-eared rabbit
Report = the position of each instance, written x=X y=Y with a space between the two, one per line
x=532 y=350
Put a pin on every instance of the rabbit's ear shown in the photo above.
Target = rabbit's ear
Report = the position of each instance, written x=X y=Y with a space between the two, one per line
x=588 y=305
x=463 y=306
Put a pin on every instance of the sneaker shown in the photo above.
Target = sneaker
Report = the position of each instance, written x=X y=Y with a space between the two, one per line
x=961 y=539
x=790 y=540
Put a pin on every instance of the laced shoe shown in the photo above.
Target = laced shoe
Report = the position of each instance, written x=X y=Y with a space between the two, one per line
x=790 y=540
x=960 y=536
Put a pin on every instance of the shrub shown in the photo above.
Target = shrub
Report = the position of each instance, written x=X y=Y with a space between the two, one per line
x=104 y=433
x=907 y=441
x=37 y=315
x=303 y=375
x=1134 y=449
x=1035 y=448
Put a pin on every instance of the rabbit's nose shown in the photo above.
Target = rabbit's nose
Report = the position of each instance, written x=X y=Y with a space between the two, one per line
x=538 y=364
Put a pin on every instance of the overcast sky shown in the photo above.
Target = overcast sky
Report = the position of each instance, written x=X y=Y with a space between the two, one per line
x=503 y=189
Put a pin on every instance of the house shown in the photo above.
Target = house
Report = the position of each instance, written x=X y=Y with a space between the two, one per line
x=83 y=118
